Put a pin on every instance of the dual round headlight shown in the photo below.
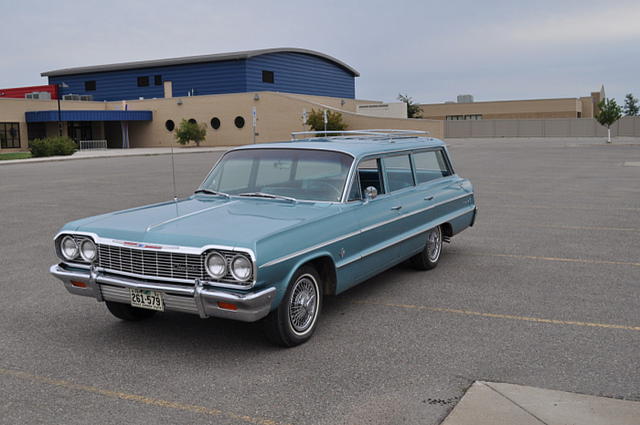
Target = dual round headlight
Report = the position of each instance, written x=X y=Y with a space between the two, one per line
x=217 y=267
x=71 y=249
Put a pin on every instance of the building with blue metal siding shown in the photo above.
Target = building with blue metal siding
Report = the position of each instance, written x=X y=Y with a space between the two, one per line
x=289 y=70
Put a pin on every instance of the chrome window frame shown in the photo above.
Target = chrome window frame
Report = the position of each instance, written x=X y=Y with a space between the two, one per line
x=344 y=190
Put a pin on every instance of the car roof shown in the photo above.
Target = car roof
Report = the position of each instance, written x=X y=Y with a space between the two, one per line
x=354 y=146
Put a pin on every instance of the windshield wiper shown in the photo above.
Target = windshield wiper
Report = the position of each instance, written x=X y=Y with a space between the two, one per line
x=212 y=192
x=268 y=195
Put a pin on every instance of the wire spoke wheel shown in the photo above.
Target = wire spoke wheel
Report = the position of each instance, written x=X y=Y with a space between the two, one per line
x=434 y=243
x=304 y=303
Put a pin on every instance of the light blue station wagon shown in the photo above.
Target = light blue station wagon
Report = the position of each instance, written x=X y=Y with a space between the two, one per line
x=272 y=229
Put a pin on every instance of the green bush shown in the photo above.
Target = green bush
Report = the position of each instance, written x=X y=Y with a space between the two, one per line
x=315 y=120
x=188 y=131
x=52 y=146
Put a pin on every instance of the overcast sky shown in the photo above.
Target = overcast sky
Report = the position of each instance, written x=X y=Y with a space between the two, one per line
x=432 y=51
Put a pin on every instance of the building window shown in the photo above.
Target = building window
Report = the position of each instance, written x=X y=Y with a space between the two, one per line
x=157 y=80
x=267 y=77
x=474 y=117
x=143 y=81
x=192 y=121
x=169 y=125
x=90 y=85
x=9 y=135
x=215 y=123
x=239 y=122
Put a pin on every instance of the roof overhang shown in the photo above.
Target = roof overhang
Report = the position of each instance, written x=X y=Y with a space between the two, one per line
x=67 y=115
x=194 y=59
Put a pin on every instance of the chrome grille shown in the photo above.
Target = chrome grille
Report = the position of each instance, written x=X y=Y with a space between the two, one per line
x=151 y=263
x=169 y=265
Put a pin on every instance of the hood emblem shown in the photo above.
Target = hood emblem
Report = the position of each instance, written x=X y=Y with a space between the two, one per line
x=144 y=245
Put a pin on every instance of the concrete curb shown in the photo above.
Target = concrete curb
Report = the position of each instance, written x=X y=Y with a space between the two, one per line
x=111 y=154
x=493 y=403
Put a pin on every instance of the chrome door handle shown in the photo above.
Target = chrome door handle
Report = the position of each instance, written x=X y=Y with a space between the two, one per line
x=429 y=198
x=396 y=208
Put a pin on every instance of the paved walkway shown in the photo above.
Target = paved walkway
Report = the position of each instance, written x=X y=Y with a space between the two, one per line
x=114 y=153
x=491 y=403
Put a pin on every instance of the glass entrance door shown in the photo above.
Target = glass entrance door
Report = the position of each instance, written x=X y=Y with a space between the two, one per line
x=80 y=130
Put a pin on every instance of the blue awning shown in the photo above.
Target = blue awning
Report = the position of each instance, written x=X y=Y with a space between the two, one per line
x=66 y=115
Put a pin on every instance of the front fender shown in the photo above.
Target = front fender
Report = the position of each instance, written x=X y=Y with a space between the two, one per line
x=281 y=274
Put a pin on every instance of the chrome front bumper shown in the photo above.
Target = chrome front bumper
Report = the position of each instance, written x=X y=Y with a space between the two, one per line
x=188 y=299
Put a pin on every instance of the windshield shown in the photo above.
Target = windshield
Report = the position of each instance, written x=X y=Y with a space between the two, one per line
x=302 y=174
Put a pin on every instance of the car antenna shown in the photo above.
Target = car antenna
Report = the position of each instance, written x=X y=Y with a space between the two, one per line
x=173 y=172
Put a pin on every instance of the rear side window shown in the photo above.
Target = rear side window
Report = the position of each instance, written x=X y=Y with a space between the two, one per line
x=430 y=165
x=398 y=172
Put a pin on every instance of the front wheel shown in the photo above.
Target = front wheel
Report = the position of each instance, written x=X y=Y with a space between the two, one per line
x=430 y=255
x=127 y=312
x=295 y=319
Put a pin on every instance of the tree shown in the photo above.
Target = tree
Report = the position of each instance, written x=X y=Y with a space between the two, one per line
x=609 y=113
x=413 y=109
x=190 y=131
x=315 y=120
x=631 y=105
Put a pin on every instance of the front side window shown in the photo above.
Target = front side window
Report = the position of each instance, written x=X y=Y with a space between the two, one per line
x=430 y=165
x=398 y=172
x=297 y=173
x=370 y=174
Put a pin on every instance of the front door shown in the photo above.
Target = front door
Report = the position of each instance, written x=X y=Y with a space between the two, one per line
x=80 y=130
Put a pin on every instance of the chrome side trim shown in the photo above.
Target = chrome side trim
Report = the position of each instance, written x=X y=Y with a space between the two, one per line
x=404 y=238
x=306 y=250
x=224 y=204
x=365 y=229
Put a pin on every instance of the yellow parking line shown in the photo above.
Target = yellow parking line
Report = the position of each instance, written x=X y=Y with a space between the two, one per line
x=618 y=229
x=136 y=398
x=564 y=260
x=565 y=207
x=501 y=316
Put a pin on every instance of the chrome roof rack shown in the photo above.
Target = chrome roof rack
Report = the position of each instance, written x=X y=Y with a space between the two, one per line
x=385 y=133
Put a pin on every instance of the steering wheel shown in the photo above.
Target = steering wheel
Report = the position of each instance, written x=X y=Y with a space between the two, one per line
x=333 y=191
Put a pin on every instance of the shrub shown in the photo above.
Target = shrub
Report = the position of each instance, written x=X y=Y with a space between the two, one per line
x=52 y=146
x=315 y=120
x=190 y=131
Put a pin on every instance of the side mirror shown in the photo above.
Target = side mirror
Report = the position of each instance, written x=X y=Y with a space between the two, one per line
x=370 y=193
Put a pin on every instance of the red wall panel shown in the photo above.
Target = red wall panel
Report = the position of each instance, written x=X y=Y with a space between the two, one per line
x=19 y=92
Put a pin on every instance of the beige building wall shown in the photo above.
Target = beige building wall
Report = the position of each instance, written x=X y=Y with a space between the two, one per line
x=508 y=109
x=278 y=114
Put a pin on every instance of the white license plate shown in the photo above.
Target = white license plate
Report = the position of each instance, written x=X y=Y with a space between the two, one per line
x=146 y=298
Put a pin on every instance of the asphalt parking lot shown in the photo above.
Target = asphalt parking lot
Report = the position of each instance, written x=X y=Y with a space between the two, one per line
x=543 y=291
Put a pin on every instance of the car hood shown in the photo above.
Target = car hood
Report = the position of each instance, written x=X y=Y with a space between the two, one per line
x=199 y=221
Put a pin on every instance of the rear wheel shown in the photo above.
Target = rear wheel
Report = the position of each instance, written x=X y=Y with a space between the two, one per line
x=430 y=255
x=127 y=312
x=295 y=319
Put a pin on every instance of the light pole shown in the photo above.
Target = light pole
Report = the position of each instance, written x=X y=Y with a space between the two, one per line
x=60 y=86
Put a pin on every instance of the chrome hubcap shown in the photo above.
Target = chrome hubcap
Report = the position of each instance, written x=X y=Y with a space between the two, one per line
x=303 y=306
x=434 y=243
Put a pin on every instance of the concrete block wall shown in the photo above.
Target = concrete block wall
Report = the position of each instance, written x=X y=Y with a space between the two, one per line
x=554 y=127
